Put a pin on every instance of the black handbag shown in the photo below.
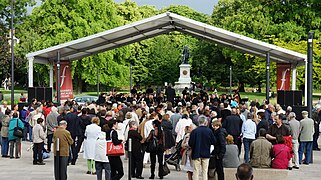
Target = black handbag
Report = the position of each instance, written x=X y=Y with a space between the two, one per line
x=17 y=131
x=165 y=171
x=152 y=145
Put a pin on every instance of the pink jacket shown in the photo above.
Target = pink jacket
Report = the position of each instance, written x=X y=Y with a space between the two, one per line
x=281 y=155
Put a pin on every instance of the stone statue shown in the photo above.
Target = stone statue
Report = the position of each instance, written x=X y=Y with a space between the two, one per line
x=185 y=55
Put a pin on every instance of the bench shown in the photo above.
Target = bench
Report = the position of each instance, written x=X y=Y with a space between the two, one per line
x=261 y=174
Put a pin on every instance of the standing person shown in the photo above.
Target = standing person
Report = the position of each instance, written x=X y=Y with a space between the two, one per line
x=187 y=153
x=233 y=126
x=74 y=127
x=15 y=142
x=260 y=151
x=281 y=154
x=38 y=138
x=175 y=118
x=278 y=128
x=180 y=126
x=65 y=141
x=117 y=171
x=158 y=134
x=51 y=124
x=168 y=135
x=101 y=160
x=295 y=128
x=249 y=132
x=268 y=113
x=219 y=148
x=4 y=134
x=200 y=141
x=137 y=155
x=306 y=137
x=91 y=135
x=263 y=123
x=316 y=116
x=170 y=94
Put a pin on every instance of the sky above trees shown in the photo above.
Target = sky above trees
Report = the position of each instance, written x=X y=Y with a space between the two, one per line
x=204 y=6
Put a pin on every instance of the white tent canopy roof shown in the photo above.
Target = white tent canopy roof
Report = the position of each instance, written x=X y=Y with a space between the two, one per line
x=157 y=25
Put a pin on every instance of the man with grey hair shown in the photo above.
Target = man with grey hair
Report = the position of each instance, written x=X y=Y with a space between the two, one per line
x=62 y=138
x=51 y=124
x=306 y=137
x=200 y=141
x=295 y=128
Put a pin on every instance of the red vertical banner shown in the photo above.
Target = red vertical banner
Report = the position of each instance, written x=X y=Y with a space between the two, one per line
x=283 y=76
x=66 y=89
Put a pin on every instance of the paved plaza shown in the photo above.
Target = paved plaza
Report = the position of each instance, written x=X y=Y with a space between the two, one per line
x=23 y=169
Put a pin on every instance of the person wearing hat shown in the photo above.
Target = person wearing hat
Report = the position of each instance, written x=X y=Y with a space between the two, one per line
x=316 y=116
x=306 y=137
x=295 y=129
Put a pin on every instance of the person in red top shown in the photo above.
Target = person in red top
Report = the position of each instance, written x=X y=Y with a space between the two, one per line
x=280 y=154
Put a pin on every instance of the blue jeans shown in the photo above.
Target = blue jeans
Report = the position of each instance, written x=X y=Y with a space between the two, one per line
x=30 y=133
x=307 y=146
x=5 y=146
x=99 y=170
x=247 y=144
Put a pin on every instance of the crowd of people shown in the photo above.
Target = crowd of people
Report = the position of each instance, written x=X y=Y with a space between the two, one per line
x=201 y=132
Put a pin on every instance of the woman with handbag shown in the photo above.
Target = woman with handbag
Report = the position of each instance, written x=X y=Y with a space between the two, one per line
x=280 y=154
x=14 y=135
x=155 y=147
x=116 y=165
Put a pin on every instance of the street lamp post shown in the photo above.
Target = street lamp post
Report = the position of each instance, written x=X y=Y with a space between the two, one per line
x=12 y=56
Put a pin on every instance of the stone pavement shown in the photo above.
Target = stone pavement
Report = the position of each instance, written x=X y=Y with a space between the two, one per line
x=23 y=169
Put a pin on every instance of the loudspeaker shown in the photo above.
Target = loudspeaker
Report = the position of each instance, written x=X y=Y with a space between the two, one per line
x=31 y=93
x=280 y=98
x=40 y=93
x=48 y=94
x=297 y=98
x=289 y=98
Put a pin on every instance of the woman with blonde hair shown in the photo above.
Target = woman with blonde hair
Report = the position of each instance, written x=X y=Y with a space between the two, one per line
x=91 y=135
x=231 y=158
x=187 y=152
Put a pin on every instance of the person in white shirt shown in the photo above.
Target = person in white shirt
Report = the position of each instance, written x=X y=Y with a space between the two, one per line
x=101 y=160
x=248 y=131
x=180 y=127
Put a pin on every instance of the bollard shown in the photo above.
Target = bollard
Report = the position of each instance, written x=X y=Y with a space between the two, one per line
x=58 y=159
x=129 y=158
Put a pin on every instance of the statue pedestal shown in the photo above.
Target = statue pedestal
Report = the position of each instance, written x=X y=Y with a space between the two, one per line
x=184 y=78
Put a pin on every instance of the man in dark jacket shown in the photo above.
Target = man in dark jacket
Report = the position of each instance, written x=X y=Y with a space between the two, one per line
x=233 y=126
x=219 y=148
x=200 y=141
x=74 y=127
x=170 y=94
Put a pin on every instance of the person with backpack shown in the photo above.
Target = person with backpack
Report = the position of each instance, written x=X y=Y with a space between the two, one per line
x=156 y=148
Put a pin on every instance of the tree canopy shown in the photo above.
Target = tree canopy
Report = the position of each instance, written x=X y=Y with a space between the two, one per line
x=283 y=22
